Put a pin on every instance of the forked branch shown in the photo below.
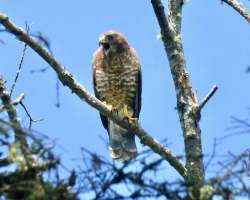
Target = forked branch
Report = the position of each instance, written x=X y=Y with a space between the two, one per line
x=188 y=106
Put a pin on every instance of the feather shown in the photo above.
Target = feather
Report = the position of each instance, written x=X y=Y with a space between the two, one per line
x=122 y=145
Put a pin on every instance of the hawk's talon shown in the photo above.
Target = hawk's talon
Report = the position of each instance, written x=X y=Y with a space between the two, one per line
x=131 y=120
x=128 y=116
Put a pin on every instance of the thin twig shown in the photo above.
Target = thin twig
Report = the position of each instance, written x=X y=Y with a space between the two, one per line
x=208 y=96
x=20 y=63
x=14 y=102
x=11 y=111
x=241 y=121
x=31 y=120
x=18 y=100
x=57 y=93
x=242 y=127
x=41 y=70
x=212 y=155
x=43 y=40
x=19 y=133
x=19 y=69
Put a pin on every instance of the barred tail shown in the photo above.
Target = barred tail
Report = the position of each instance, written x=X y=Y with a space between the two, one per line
x=122 y=145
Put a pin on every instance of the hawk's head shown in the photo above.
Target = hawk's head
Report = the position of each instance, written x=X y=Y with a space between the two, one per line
x=113 y=42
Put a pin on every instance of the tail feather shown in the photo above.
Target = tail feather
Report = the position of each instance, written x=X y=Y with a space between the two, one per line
x=122 y=145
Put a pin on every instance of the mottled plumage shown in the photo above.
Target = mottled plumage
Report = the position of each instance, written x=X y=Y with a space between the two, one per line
x=117 y=82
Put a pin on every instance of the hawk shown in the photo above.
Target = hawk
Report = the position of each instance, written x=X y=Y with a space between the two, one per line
x=117 y=82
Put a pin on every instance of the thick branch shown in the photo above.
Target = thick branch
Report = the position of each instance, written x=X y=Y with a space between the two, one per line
x=68 y=80
x=239 y=8
x=187 y=103
x=175 y=12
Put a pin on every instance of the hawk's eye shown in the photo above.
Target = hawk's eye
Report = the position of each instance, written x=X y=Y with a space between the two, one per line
x=110 y=38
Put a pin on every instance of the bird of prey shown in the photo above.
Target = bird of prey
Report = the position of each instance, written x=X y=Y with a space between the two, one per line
x=117 y=82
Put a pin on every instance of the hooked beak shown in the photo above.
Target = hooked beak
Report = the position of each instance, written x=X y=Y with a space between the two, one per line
x=102 y=40
x=105 y=44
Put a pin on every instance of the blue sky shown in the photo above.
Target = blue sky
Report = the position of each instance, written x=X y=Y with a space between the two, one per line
x=216 y=47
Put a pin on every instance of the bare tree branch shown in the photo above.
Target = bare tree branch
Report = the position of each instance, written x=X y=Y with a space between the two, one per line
x=18 y=70
x=212 y=156
x=175 y=13
x=187 y=104
x=239 y=127
x=208 y=96
x=14 y=102
x=16 y=125
x=19 y=133
x=31 y=120
x=101 y=181
x=68 y=80
x=29 y=180
x=18 y=100
x=232 y=178
x=101 y=177
x=239 y=8
x=20 y=64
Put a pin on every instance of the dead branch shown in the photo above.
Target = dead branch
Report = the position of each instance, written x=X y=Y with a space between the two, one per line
x=14 y=102
x=68 y=80
x=16 y=125
x=187 y=104
x=239 y=8
x=208 y=96
x=20 y=64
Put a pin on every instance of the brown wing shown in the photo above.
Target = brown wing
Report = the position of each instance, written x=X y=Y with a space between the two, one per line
x=95 y=62
x=137 y=104
x=137 y=100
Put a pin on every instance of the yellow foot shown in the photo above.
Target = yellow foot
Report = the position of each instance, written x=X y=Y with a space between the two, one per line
x=127 y=115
